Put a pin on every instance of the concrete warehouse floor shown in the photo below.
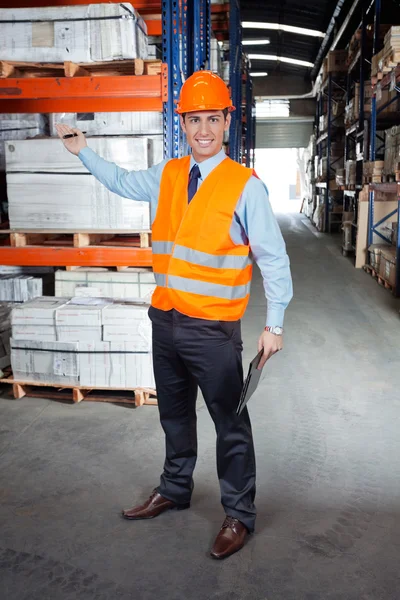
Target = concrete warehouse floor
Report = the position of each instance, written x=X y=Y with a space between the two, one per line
x=326 y=426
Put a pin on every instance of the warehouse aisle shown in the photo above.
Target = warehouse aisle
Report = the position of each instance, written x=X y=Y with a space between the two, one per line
x=326 y=425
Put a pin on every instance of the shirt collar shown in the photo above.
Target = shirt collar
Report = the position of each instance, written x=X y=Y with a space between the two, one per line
x=208 y=165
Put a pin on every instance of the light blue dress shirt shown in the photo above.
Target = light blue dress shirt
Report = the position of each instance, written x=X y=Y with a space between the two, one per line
x=253 y=223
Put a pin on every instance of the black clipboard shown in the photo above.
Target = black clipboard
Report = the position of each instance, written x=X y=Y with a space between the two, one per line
x=251 y=382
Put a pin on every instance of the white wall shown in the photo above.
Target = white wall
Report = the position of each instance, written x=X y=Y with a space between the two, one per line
x=277 y=167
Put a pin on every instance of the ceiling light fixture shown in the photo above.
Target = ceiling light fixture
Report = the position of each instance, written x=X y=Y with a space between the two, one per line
x=279 y=27
x=284 y=59
x=259 y=74
x=255 y=42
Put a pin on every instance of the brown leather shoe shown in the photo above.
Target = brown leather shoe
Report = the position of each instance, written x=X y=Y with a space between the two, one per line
x=230 y=539
x=153 y=507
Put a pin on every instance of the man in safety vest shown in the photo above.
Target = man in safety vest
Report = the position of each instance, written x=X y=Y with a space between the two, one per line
x=211 y=218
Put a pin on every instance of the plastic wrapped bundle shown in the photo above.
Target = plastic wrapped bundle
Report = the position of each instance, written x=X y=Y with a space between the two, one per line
x=82 y=34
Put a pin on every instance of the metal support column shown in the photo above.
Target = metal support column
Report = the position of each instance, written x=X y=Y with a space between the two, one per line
x=328 y=153
x=249 y=119
x=171 y=56
x=372 y=152
x=201 y=33
x=187 y=27
x=235 y=55
x=397 y=288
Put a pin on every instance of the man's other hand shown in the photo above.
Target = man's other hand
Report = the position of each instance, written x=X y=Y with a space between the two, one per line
x=271 y=344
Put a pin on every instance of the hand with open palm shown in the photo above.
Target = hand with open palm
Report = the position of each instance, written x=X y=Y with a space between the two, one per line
x=73 y=144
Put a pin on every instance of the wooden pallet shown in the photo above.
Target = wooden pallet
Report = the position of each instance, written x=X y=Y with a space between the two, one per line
x=383 y=179
x=136 y=396
x=136 y=66
x=81 y=239
x=381 y=280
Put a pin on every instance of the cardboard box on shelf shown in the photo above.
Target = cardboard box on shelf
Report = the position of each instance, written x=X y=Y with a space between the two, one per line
x=348 y=217
x=381 y=210
x=82 y=34
x=394 y=233
x=375 y=254
x=387 y=268
x=336 y=61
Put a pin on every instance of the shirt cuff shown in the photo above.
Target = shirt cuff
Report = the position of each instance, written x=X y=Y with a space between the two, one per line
x=275 y=317
x=85 y=153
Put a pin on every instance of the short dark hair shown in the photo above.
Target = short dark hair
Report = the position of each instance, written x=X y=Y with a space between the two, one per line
x=225 y=112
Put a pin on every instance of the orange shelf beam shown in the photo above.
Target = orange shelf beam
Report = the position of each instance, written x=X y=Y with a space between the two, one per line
x=127 y=86
x=43 y=256
x=84 y=94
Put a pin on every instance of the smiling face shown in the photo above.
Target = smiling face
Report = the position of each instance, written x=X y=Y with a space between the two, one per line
x=205 y=132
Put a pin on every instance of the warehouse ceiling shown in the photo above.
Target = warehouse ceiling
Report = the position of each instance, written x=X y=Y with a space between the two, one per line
x=309 y=14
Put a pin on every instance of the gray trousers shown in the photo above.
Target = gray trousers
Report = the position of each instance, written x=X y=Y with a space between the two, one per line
x=189 y=353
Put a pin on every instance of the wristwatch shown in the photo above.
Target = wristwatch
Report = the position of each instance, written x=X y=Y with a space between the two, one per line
x=274 y=330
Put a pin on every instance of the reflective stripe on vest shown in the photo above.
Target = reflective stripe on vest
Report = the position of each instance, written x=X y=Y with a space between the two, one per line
x=162 y=247
x=194 y=286
x=202 y=258
x=161 y=279
x=211 y=260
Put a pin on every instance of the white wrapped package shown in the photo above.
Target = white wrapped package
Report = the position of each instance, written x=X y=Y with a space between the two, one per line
x=69 y=201
x=48 y=362
x=156 y=149
x=117 y=123
x=19 y=288
x=50 y=156
x=105 y=364
x=19 y=127
x=83 y=34
x=38 y=312
x=5 y=334
x=127 y=323
x=106 y=284
x=43 y=333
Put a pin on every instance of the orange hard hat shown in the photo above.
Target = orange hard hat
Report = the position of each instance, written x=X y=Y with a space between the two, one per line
x=204 y=90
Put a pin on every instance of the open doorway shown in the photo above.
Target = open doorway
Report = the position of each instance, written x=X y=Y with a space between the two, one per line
x=278 y=168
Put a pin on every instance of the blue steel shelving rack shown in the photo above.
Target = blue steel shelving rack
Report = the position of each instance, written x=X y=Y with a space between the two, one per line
x=249 y=130
x=186 y=29
x=354 y=135
x=235 y=77
x=373 y=150
x=324 y=139
x=186 y=33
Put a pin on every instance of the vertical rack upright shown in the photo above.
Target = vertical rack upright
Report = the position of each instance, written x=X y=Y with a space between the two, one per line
x=332 y=94
x=390 y=79
x=235 y=77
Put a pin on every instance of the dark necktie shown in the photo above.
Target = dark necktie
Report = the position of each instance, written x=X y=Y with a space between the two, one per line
x=194 y=177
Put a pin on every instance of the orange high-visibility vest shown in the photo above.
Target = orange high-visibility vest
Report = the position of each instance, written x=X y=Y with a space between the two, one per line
x=199 y=271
